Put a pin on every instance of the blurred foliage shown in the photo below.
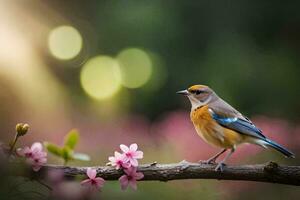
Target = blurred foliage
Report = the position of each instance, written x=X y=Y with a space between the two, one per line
x=246 y=51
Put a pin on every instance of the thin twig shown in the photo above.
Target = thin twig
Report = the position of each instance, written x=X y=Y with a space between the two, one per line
x=13 y=144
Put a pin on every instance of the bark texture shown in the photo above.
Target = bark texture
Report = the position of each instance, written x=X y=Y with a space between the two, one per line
x=270 y=172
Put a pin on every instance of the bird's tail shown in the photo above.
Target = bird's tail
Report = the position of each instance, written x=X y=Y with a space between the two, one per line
x=278 y=147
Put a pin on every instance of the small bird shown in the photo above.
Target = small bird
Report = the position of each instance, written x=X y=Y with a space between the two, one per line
x=220 y=125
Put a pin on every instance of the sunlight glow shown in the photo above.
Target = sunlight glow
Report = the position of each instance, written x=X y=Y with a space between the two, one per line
x=65 y=42
x=136 y=67
x=100 y=77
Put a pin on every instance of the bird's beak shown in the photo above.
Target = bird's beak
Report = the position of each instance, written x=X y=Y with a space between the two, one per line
x=183 y=92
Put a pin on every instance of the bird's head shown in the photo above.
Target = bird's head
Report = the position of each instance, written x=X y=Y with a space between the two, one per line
x=199 y=95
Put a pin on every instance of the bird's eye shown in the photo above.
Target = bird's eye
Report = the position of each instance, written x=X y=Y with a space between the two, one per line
x=197 y=92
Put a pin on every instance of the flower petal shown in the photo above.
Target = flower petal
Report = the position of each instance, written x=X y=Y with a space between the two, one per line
x=86 y=182
x=133 y=147
x=138 y=155
x=126 y=165
x=117 y=154
x=133 y=184
x=39 y=155
x=124 y=148
x=43 y=154
x=99 y=182
x=24 y=151
x=134 y=162
x=130 y=171
x=36 y=147
x=124 y=182
x=91 y=173
x=112 y=159
x=138 y=176
x=125 y=159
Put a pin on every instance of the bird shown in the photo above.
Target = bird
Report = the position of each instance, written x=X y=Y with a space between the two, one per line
x=221 y=125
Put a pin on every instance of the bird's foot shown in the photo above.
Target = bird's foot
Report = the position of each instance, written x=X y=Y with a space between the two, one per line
x=220 y=167
x=209 y=161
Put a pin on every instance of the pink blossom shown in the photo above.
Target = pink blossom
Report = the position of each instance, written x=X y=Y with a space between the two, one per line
x=93 y=181
x=119 y=161
x=35 y=156
x=130 y=178
x=131 y=154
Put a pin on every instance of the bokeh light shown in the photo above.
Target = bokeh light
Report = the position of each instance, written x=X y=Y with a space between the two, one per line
x=159 y=73
x=100 y=77
x=136 y=67
x=65 y=42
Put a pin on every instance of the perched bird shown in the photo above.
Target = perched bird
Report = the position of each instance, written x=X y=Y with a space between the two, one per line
x=219 y=124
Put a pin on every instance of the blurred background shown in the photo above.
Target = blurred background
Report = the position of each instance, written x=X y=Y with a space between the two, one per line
x=111 y=68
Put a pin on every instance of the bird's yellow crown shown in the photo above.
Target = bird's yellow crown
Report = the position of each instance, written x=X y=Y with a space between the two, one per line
x=197 y=87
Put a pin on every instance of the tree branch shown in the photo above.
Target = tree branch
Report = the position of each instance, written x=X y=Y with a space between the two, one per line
x=270 y=172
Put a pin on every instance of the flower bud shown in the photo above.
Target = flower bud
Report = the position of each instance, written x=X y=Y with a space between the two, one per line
x=21 y=129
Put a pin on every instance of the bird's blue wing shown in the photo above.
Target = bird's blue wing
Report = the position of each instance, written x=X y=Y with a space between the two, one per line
x=242 y=126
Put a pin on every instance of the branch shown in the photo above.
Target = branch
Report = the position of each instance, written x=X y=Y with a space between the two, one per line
x=270 y=172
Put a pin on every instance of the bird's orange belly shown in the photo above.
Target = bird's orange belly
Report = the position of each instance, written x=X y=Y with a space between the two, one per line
x=211 y=132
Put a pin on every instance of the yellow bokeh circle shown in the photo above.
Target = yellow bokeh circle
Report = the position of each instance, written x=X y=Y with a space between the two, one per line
x=65 y=42
x=100 y=77
x=135 y=66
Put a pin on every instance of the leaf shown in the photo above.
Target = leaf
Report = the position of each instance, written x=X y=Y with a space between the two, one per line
x=81 y=156
x=67 y=153
x=71 y=139
x=54 y=149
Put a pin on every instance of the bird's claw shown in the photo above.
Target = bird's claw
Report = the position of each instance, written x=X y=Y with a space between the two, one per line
x=209 y=161
x=220 y=167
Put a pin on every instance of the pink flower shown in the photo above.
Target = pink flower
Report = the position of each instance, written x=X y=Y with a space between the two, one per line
x=34 y=155
x=131 y=154
x=93 y=181
x=119 y=161
x=130 y=178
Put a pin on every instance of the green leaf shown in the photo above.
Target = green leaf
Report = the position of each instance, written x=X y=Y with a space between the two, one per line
x=81 y=156
x=71 y=139
x=54 y=149
x=67 y=153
